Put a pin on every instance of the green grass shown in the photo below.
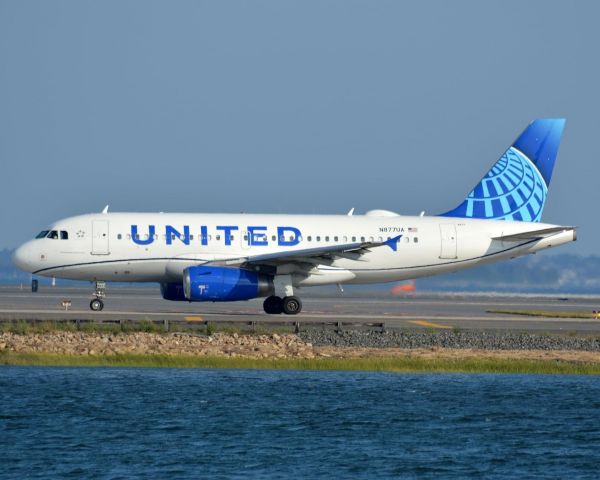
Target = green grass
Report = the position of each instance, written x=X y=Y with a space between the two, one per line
x=22 y=327
x=546 y=313
x=387 y=364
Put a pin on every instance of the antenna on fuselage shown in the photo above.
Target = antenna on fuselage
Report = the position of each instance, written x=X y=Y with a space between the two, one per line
x=105 y=211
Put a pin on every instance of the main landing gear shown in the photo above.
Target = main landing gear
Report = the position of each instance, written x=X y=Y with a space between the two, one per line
x=288 y=305
x=99 y=292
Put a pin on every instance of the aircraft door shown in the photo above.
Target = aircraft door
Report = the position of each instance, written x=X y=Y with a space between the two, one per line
x=448 y=240
x=100 y=237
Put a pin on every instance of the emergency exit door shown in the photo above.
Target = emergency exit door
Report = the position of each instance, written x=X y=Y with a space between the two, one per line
x=448 y=240
x=100 y=237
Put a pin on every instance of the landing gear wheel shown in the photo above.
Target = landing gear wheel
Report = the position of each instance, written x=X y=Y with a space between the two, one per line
x=273 y=305
x=292 y=305
x=96 y=304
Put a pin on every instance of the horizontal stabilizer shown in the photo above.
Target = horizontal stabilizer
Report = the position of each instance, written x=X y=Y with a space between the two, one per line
x=533 y=234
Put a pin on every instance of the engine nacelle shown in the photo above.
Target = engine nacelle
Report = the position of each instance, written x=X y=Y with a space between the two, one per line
x=224 y=284
x=172 y=291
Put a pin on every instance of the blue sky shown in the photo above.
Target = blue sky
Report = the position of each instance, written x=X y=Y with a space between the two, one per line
x=278 y=106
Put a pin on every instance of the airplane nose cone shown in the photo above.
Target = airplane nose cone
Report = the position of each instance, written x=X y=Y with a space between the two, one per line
x=21 y=257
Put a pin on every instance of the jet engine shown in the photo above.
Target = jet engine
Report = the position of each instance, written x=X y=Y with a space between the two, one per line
x=224 y=284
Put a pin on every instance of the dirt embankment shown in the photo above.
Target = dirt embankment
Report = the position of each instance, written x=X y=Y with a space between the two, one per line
x=250 y=346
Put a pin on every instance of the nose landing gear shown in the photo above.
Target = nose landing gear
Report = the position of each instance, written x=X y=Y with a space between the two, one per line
x=96 y=304
x=99 y=292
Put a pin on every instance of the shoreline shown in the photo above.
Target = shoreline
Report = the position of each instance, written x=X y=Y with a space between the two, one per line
x=412 y=364
x=277 y=351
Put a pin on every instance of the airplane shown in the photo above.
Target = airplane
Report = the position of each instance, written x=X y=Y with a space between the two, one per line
x=229 y=257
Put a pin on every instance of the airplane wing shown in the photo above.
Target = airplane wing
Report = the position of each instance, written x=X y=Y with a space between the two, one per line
x=533 y=234
x=309 y=255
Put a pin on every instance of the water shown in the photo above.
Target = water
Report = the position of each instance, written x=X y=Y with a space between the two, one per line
x=179 y=423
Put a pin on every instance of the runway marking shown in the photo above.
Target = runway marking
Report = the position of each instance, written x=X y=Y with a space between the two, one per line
x=424 y=323
x=194 y=319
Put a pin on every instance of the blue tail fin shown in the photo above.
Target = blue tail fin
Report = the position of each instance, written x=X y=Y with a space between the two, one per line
x=517 y=185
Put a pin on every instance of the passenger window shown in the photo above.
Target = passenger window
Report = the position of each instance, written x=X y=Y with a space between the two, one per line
x=309 y=238
x=327 y=238
x=371 y=239
x=231 y=237
x=42 y=234
x=345 y=239
x=380 y=239
x=274 y=238
x=406 y=239
x=119 y=236
x=335 y=239
x=354 y=239
x=53 y=235
x=218 y=237
x=318 y=238
x=416 y=240
x=362 y=239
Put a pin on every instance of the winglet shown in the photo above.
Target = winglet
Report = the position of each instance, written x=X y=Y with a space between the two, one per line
x=393 y=243
x=105 y=211
x=351 y=212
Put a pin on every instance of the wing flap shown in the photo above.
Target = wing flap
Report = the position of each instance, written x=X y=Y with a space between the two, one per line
x=301 y=255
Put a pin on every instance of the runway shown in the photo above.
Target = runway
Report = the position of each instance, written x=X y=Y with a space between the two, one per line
x=422 y=310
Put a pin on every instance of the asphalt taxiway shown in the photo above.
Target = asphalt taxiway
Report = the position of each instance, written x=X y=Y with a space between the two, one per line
x=421 y=310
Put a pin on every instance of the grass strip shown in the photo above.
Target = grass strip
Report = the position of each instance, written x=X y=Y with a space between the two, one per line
x=546 y=313
x=379 y=364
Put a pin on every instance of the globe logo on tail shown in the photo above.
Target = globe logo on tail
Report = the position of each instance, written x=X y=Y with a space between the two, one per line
x=512 y=190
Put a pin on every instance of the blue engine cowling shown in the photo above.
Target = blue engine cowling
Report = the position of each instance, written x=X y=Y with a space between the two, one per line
x=172 y=291
x=224 y=284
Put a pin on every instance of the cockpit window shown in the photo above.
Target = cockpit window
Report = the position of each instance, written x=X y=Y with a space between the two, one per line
x=53 y=235
x=64 y=235
x=42 y=234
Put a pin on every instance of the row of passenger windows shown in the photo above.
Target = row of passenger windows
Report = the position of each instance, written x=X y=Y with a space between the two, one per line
x=53 y=234
x=309 y=238
x=64 y=235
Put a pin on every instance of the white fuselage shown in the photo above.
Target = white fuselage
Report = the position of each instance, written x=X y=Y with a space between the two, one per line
x=106 y=247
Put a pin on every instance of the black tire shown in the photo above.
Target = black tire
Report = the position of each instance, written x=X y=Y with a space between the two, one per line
x=292 y=305
x=273 y=305
x=96 y=304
